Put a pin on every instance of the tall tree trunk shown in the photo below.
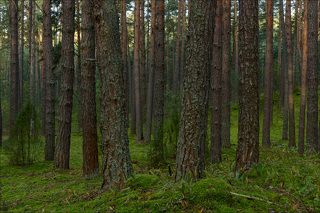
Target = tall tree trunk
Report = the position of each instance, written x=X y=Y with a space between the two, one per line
x=292 y=141
x=78 y=66
x=157 y=156
x=88 y=92
x=236 y=37
x=21 y=54
x=143 y=75
x=62 y=153
x=194 y=93
x=183 y=42
x=124 y=49
x=226 y=86
x=312 y=75
x=248 y=130
x=14 y=63
x=304 y=67
x=177 y=70
x=117 y=164
x=215 y=151
x=31 y=53
x=268 y=72
x=150 y=95
x=283 y=54
x=136 y=72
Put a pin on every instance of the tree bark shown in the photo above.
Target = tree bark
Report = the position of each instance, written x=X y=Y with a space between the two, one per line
x=137 y=73
x=215 y=151
x=143 y=75
x=31 y=54
x=88 y=92
x=304 y=67
x=78 y=67
x=62 y=153
x=292 y=142
x=268 y=72
x=117 y=163
x=226 y=86
x=312 y=75
x=283 y=55
x=194 y=94
x=248 y=130
x=157 y=155
x=236 y=37
x=21 y=54
x=14 y=63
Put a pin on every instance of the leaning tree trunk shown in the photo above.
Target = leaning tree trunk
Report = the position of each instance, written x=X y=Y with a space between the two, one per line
x=117 y=164
x=215 y=149
x=268 y=72
x=312 y=73
x=157 y=153
x=248 y=130
x=226 y=86
x=292 y=141
x=50 y=79
x=88 y=92
x=194 y=93
x=14 y=63
x=62 y=153
x=304 y=67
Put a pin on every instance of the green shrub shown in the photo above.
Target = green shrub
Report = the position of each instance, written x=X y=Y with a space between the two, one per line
x=24 y=142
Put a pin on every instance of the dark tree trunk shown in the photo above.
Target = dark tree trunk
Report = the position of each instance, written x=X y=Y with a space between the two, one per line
x=292 y=141
x=117 y=163
x=215 y=151
x=236 y=37
x=226 y=86
x=268 y=72
x=31 y=53
x=50 y=85
x=62 y=153
x=14 y=63
x=194 y=95
x=137 y=73
x=157 y=156
x=304 y=67
x=88 y=92
x=78 y=67
x=21 y=54
x=150 y=95
x=248 y=130
x=312 y=75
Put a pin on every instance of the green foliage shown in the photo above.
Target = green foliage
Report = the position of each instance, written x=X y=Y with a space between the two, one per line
x=24 y=143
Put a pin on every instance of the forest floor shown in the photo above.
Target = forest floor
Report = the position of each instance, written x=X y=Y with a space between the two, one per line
x=282 y=181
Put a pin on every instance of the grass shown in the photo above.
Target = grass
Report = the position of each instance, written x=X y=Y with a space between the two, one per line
x=282 y=181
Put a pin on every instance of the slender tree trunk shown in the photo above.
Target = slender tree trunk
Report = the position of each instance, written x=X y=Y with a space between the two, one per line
x=31 y=53
x=117 y=164
x=137 y=73
x=78 y=66
x=14 y=63
x=292 y=141
x=183 y=43
x=21 y=54
x=236 y=37
x=312 y=75
x=226 y=86
x=150 y=95
x=215 y=151
x=283 y=55
x=304 y=67
x=268 y=72
x=88 y=92
x=124 y=48
x=194 y=94
x=143 y=75
x=248 y=130
x=157 y=157
x=62 y=153
x=177 y=70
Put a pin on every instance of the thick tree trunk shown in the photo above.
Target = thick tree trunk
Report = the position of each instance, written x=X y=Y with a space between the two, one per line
x=117 y=164
x=157 y=157
x=292 y=141
x=226 y=86
x=137 y=73
x=248 y=130
x=268 y=72
x=150 y=95
x=124 y=49
x=194 y=94
x=88 y=92
x=215 y=150
x=62 y=153
x=312 y=78
x=14 y=63
x=304 y=67
x=50 y=79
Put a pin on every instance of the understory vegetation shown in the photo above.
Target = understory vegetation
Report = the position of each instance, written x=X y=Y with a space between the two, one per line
x=282 y=181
